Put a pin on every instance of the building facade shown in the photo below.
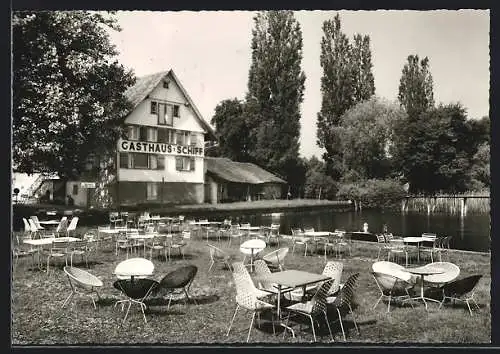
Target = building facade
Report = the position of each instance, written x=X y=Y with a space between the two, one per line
x=162 y=158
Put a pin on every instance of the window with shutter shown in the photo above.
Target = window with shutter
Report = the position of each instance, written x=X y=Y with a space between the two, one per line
x=176 y=111
x=180 y=138
x=152 y=191
x=161 y=114
x=153 y=162
x=140 y=161
x=194 y=139
x=170 y=115
x=178 y=163
x=143 y=133
x=191 y=163
x=161 y=162
x=123 y=160
x=152 y=134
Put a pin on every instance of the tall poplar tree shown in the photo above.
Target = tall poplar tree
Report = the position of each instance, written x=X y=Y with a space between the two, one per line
x=415 y=87
x=347 y=79
x=275 y=92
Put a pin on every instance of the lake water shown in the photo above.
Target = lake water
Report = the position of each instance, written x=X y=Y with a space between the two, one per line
x=471 y=232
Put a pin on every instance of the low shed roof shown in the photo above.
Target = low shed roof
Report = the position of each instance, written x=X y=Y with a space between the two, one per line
x=239 y=172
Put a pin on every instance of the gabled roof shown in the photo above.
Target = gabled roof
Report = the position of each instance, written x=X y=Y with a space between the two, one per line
x=144 y=85
x=239 y=172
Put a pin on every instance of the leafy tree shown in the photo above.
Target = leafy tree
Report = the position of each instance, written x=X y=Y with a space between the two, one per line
x=68 y=91
x=347 y=79
x=317 y=182
x=415 y=86
x=366 y=136
x=275 y=92
x=364 y=83
x=231 y=130
x=433 y=151
x=480 y=169
x=373 y=193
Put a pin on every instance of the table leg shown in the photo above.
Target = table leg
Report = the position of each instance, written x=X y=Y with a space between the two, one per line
x=278 y=313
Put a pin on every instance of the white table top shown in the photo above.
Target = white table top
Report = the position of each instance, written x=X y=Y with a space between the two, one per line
x=48 y=240
x=413 y=239
x=134 y=267
x=249 y=228
x=425 y=270
x=317 y=233
x=145 y=236
x=252 y=246
x=49 y=222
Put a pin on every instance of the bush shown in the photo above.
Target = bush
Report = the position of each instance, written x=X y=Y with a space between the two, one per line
x=374 y=193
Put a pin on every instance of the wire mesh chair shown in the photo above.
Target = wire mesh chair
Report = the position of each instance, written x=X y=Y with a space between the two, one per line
x=58 y=249
x=299 y=239
x=450 y=272
x=135 y=292
x=80 y=248
x=235 y=233
x=246 y=297
x=461 y=290
x=82 y=283
x=276 y=259
x=392 y=287
x=343 y=302
x=218 y=256
x=178 y=282
x=261 y=269
x=315 y=307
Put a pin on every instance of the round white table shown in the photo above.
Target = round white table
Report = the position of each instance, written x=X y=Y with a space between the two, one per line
x=423 y=271
x=252 y=248
x=134 y=267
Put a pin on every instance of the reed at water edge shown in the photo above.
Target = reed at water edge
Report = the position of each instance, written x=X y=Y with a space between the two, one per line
x=450 y=204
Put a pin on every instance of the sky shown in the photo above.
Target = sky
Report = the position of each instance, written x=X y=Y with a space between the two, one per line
x=210 y=53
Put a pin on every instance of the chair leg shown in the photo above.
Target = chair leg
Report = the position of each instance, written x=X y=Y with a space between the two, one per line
x=468 y=305
x=211 y=265
x=67 y=299
x=389 y=304
x=251 y=325
x=128 y=309
x=312 y=326
x=353 y=319
x=341 y=324
x=232 y=320
x=380 y=298
x=328 y=324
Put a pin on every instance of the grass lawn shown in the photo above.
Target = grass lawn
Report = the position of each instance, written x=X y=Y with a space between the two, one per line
x=37 y=316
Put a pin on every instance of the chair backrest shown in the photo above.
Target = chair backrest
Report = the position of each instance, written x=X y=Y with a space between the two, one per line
x=385 y=282
x=72 y=224
x=215 y=252
x=346 y=294
x=82 y=278
x=245 y=289
x=451 y=272
x=186 y=234
x=32 y=225
x=203 y=220
x=261 y=268
x=79 y=245
x=62 y=224
x=179 y=277
x=113 y=215
x=319 y=298
x=389 y=237
x=297 y=231
x=60 y=245
x=334 y=270
x=138 y=289
x=309 y=229
x=391 y=268
x=36 y=221
x=462 y=286
x=27 y=227
x=380 y=238
x=239 y=267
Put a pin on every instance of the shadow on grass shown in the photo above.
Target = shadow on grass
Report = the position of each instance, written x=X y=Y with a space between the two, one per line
x=200 y=300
